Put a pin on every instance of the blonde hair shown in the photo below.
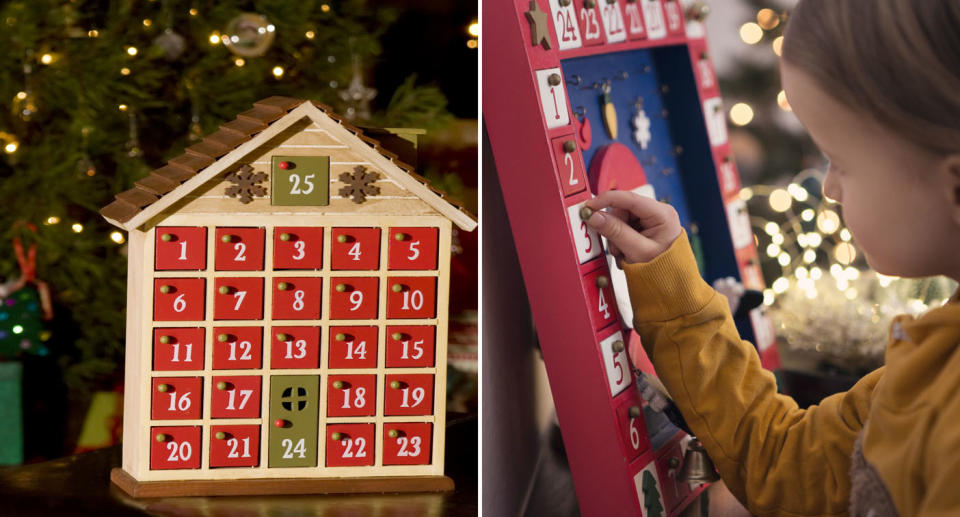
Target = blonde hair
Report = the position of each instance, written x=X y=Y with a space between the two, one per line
x=895 y=60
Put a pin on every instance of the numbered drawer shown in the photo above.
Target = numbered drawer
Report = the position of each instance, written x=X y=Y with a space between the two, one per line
x=350 y=445
x=351 y=395
x=728 y=175
x=412 y=297
x=673 y=14
x=407 y=443
x=741 y=232
x=180 y=248
x=408 y=394
x=611 y=18
x=412 y=249
x=353 y=347
x=177 y=398
x=669 y=460
x=175 y=447
x=573 y=177
x=234 y=446
x=235 y=397
x=585 y=240
x=588 y=16
x=553 y=98
x=178 y=299
x=237 y=348
x=613 y=353
x=297 y=248
x=633 y=430
x=654 y=18
x=355 y=249
x=297 y=298
x=410 y=346
x=354 y=298
x=294 y=413
x=238 y=298
x=633 y=19
x=239 y=249
x=565 y=24
x=703 y=70
x=295 y=347
x=178 y=349
x=647 y=486
x=601 y=301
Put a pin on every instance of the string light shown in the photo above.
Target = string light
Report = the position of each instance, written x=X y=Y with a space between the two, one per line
x=769 y=297
x=278 y=71
x=117 y=237
x=124 y=71
x=780 y=285
x=325 y=8
x=473 y=43
x=809 y=256
x=93 y=33
x=778 y=45
x=310 y=34
x=814 y=240
x=122 y=107
x=147 y=22
x=768 y=19
x=746 y=194
x=799 y=193
x=77 y=227
x=214 y=38
x=780 y=200
x=828 y=221
x=741 y=114
x=845 y=253
x=474 y=28
x=777 y=239
x=11 y=147
x=751 y=33
x=816 y=273
x=239 y=61
x=773 y=249
x=808 y=214
x=784 y=259
x=771 y=228
x=782 y=101
x=193 y=12
x=46 y=59
x=52 y=220
x=132 y=51
x=17 y=329
x=845 y=235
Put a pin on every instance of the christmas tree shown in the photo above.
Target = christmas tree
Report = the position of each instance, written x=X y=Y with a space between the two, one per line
x=98 y=93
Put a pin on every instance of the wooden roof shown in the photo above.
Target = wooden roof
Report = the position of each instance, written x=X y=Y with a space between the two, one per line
x=163 y=186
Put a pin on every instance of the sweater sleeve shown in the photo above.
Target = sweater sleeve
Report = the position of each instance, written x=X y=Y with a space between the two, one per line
x=777 y=459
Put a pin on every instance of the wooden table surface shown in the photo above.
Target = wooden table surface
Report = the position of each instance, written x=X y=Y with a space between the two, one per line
x=80 y=485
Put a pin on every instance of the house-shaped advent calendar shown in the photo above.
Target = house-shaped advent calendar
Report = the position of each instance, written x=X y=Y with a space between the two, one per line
x=288 y=284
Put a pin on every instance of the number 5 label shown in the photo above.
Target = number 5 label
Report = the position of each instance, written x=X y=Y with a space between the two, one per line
x=300 y=181
x=553 y=98
x=614 y=352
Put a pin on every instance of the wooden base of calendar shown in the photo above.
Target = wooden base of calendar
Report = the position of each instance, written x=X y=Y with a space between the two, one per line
x=234 y=487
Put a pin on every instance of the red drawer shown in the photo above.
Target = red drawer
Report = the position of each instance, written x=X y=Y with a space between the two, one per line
x=178 y=349
x=234 y=445
x=573 y=176
x=633 y=430
x=669 y=460
x=354 y=298
x=412 y=249
x=237 y=348
x=297 y=298
x=589 y=20
x=616 y=362
x=633 y=19
x=295 y=347
x=601 y=301
x=407 y=443
x=178 y=299
x=180 y=248
x=297 y=247
x=351 y=395
x=408 y=394
x=410 y=346
x=353 y=347
x=238 y=298
x=355 y=249
x=235 y=397
x=177 y=398
x=239 y=249
x=674 y=18
x=411 y=297
x=174 y=448
x=647 y=485
x=350 y=445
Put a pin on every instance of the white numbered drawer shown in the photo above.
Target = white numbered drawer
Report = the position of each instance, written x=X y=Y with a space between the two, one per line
x=585 y=239
x=553 y=98
x=565 y=24
x=613 y=350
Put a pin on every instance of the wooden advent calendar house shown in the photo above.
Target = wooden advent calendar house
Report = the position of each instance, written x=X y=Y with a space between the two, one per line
x=287 y=316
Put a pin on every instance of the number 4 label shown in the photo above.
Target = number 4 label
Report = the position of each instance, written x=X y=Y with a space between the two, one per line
x=565 y=23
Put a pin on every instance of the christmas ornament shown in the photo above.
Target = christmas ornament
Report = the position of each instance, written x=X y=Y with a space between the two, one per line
x=359 y=184
x=246 y=184
x=357 y=95
x=249 y=35
x=172 y=43
x=641 y=125
x=583 y=131
x=609 y=112
x=24 y=305
x=24 y=105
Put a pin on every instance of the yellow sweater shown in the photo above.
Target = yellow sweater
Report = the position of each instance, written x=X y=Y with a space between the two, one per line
x=781 y=460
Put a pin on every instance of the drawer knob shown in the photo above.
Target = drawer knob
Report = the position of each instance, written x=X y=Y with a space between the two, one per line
x=673 y=462
x=585 y=213
x=634 y=412
x=285 y=165
x=161 y=437
x=223 y=338
x=395 y=385
x=397 y=336
x=280 y=423
x=340 y=337
x=336 y=437
x=224 y=289
x=338 y=385
x=283 y=337
x=393 y=433
x=617 y=346
x=284 y=237
x=163 y=388
x=341 y=288
x=220 y=435
x=283 y=286
x=602 y=282
x=400 y=237
x=397 y=288
x=590 y=4
x=569 y=146
x=226 y=238
x=342 y=238
x=165 y=340
x=166 y=289
x=167 y=237
x=222 y=385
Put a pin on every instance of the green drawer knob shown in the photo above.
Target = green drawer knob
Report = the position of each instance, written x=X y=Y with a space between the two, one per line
x=224 y=289
x=283 y=286
x=338 y=385
x=342 y=238
x=585 y=213
x=226 y=238
x=167 y=237
x=393 y=433
x=166 y=289
x=223 y=338
x=340 y=337
x=163 y=388
x=400 y=236
x=602 y=282
x=395 y=385
x=634 y=412
x=336 y=437
x=397 y=336
x=221 y=385
x=283 y=337
x=284 y=237
x=161 y=437
x=618 y=346
x=220 y=435
x=397 y=288
x=165 y=340
x=569 y=146
x=341 y=288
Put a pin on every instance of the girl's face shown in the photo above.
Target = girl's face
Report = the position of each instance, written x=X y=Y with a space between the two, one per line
x=894 y=194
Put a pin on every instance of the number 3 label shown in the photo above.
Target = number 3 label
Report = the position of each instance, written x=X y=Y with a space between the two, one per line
x=586 y=240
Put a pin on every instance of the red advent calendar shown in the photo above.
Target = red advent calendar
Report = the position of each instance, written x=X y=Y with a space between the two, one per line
x=581 y=97
x=287 y=315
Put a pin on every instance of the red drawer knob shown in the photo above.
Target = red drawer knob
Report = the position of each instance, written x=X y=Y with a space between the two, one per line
x=280 y=423
x=285 y=165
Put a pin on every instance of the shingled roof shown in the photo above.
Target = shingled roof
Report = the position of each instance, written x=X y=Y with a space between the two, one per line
x=160 y=182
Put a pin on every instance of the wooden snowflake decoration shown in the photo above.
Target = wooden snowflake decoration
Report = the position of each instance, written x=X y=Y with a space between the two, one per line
x=246 y=184
x=359 y=184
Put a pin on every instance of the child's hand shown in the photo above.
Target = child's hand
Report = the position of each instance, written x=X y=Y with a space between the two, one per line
x=638 y=229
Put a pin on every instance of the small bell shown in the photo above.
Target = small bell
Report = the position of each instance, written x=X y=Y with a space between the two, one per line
x=697 y=466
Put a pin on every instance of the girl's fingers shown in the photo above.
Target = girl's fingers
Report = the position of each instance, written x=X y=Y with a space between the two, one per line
x=648 y=211
x=633 y=246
